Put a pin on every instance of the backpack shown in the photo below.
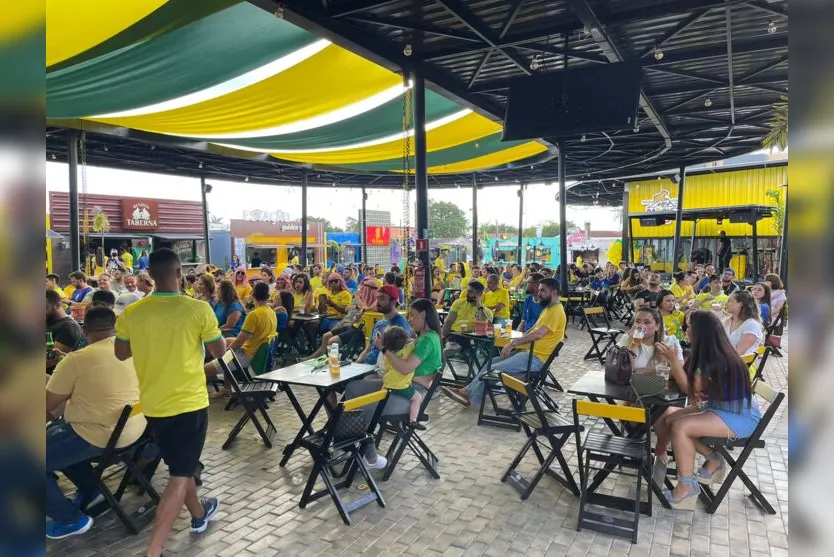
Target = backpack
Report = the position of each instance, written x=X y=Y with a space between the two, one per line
x=619 y=365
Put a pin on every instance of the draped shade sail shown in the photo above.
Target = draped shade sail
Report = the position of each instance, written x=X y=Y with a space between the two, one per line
x=227 y=72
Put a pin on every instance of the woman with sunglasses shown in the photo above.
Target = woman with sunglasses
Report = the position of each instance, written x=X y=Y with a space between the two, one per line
x=334 y=302
x=242 y=286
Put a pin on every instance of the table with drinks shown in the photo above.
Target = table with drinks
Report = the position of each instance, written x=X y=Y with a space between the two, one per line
x=326 y=375
x=303 y=318
x=485 y=337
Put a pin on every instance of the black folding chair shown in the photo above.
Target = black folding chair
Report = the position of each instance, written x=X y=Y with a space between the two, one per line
x=625 y=453
x=406 y=436
x=252 y=395
x=354 y=346
x=624 y=307
x=755 y=441
x=545 y=429
x=603 y=336
x=455 y=363
x=128 y=457
x=764 y=353
x=776 y=329
x=335 y=445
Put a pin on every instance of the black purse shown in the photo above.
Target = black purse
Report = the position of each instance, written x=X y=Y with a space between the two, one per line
x=352 y=425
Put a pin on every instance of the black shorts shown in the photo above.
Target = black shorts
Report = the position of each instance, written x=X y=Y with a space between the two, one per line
x=348 y=334
x=180 y=439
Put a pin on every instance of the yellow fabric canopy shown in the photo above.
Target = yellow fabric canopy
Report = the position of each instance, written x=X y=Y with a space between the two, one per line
x=22 y=20
x=488 y=161
x=463 y=130
x=303 y=91
x=78 y=25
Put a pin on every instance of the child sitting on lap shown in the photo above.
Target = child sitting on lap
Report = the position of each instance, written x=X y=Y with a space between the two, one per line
x=395 y=340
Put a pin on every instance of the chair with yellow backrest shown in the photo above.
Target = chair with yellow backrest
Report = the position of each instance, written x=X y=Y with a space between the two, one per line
x=252 y=395
x=128 y=457
x=340 y=442
x=603 y=336
x=545 y=429
x=736 y=466
x=764 y=353
x=625 y=453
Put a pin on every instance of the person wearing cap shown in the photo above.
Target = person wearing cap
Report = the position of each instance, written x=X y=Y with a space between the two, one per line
x=728 y=283
x=387 y=301
x=462 y=317
x=130 y=295
x=93 y=386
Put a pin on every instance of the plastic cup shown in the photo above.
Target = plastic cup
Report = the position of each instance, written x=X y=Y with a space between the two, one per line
x=496 y=330
x=639 y=333
x=716 y=307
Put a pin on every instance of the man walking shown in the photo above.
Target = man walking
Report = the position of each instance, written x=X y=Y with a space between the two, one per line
x=166 y=333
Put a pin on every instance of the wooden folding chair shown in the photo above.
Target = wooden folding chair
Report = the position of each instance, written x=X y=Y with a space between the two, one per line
x=599 y=328
x=545 y=429
x=128 y=457
x=252 y=395
x=329 y=450
x=755 y=441
x=624 y=453
x=406 y=436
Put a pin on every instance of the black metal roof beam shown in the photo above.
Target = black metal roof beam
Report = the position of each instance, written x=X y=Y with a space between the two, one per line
x=728 y=20
x=479 y=69
x=745 y=79
x=677 y=30
x=347 y=8
x=610 y=50
x=683 y=73
x=407 y=25
x=704 y=53
x=510 y=18
x=769 y=8
x=570 y=53
x=463 y=14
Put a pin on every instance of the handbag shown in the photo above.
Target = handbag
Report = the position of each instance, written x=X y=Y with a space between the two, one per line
x=648 y=384
x=352 y=425
x=619 y=365
x=774 y=341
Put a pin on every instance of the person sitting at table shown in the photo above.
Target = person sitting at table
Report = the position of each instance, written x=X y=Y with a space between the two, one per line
x=682 y=289
x=228 y=309
x=649 y=323
x=144 y=283
x=80 y=289
x=103 y=298
x=713 y=295
x=743 y=324
x=315 y=277
x=205 y=289
x=347 y=274
x=366 y=296
x=715 y=374
x=102 y=284
x=632 y=283
x=648 y=297
x=242 y=286
x=497 y=299
x=673 y=319
x=547 y=272
x=93 y=387
x=302 y=293
x=761 y=293
x=285 y=304
x=396 y=341
x=334 y=302
x=778 y=297
x=516 y=275
x=268 y=276
x=259 y=327
x=438 y=286
x=461 y=318
x=66 y=332
x=547 y=333
x=532 y=309
x=424 y=361
x=703 y=283
x=728 y=281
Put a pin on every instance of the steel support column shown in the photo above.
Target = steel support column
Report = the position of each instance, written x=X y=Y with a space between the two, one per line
x=363 y=227
x=783 y=249
x=474 y=220
x=563 y=219
x=755 y=248
x=421 y=178
x=626 y=255
x=203 y=193
x=74 y=221
x=302 y=259
x=520 y=220
x=676 y=244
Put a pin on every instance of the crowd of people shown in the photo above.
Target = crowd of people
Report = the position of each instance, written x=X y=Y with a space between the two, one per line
x=149 y=332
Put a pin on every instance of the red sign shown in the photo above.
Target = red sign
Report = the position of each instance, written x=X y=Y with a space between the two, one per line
x=423 y=244
x=140 y=214
x=378 y=235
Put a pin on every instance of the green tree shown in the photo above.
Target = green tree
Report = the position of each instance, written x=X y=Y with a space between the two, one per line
x=549 y=229
x=351 y=225
x=498 y=228
x=446 y=220
x=328 y=226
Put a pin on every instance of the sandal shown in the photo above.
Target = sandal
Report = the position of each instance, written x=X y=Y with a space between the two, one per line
x=706 y=477
x=688 y=501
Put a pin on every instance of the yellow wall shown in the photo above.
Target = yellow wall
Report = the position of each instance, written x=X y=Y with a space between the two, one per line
x=724 y=189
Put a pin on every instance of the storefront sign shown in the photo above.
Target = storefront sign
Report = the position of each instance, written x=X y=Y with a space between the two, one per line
x=274 y=217
x=378 y=235
x=140 y=214
x=661 y=202
x=576 y=237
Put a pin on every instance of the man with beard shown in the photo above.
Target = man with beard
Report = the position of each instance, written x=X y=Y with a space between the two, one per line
x=130 y=295
x=462 y=317
x=531 y=310
x=547 y=333
x=66 y=333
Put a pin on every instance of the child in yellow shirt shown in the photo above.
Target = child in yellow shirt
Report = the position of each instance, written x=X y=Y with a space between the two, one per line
x=395 y=340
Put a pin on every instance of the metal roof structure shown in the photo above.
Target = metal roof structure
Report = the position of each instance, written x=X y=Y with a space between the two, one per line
x=712 y=71
x=760 y=212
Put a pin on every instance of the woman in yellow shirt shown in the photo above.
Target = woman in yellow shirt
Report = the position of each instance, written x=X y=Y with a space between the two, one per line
x=242 y=287
x=334 y=302
x=673 y=319
x=682 y=289
x=302 y=293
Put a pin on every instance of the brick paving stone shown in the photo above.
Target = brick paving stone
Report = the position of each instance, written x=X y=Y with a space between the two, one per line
x=468 y=512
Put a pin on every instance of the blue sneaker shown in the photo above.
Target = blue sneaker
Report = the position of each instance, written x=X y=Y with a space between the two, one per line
x=199 y=525
x=60 y=530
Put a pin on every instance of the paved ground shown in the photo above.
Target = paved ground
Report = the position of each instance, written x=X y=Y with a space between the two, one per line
x=467 y=512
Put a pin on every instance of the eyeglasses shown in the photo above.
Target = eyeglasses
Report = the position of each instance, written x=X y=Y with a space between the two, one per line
x=332 y=282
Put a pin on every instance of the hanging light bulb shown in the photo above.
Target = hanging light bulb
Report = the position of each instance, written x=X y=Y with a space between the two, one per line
x=582 y=139
x=200 y=165
x=477 y=145
x=407 y=50
x=106 y=149
x=496 y=178
x=658 y=54
x=53 y=156
x=279 y=12
x=636 y=128
x=707 y=102
x=771 y=27
x=246 y=179
x=535 y=63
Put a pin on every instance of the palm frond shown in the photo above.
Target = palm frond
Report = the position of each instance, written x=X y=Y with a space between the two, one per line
x=778 y=123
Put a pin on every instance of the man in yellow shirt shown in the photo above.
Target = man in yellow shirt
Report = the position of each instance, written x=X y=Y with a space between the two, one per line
x=497 y=299
x=547 y=333
x=334 y=302
x=127 y=258
x=167 y=336
x=461 y=318
x=518 y=275
x=52 y=281
x=315 y=277
x=713 y=295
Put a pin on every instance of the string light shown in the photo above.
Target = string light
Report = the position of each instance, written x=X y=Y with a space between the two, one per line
x=535 y=63
x=200 y=165
x=658 y=54
x=707 y=102
x=407 y=50
x=246 y=179
x=582 y=139
x=636 y=128
x=771 y=27
x=279 y=12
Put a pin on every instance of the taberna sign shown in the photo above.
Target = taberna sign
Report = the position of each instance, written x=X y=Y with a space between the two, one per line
x=140 y=214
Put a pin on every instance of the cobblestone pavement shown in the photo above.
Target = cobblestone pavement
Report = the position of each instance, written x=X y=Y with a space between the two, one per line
x=468 y=511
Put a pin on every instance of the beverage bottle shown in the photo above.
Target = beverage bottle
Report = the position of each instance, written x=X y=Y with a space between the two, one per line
x=50 y=347
x=481 y=322
x=333 y=360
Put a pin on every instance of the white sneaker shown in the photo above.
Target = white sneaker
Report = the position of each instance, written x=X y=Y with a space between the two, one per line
x=381 y=463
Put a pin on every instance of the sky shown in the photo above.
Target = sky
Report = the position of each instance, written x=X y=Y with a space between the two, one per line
x=229 y=200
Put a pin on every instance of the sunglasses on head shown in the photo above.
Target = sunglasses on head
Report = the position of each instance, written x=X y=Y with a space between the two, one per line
x=332 y=282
